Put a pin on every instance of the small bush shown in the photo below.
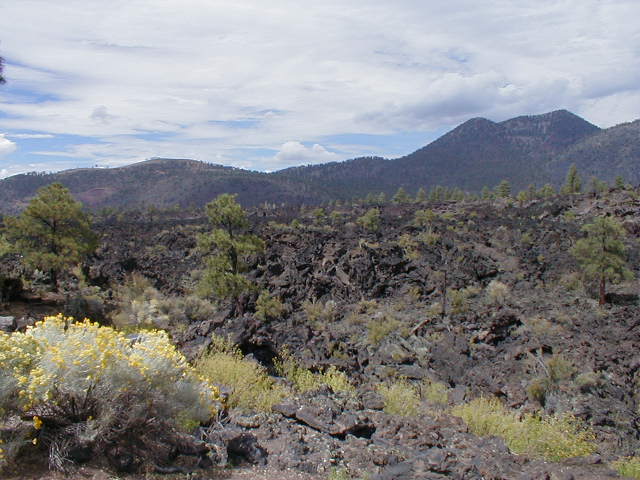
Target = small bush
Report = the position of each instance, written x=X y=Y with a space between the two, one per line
x=400 y=398
x=90 y=387
x=497 y=292
x=319 y=313
x=379 y=328
x=434 y=392
x=305 y=380
x=423 y=218
x=142 y=306
x=268 y=307
x=552 y=438
x=628 y=467
x=370 y=220
x=252 y=388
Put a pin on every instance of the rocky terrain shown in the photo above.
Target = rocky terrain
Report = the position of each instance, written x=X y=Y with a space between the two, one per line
x=519 y=324
x=535 y=149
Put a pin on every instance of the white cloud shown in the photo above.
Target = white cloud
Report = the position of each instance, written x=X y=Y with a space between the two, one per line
x=30 y=135
x=6 y=146
x=295 y=153
x=220 y=77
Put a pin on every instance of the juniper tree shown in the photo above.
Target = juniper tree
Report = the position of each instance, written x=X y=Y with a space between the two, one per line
x=227 y=249
x=52 y=233
x=601 y=254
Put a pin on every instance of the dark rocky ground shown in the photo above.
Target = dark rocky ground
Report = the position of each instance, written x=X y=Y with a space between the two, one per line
x=497 y=345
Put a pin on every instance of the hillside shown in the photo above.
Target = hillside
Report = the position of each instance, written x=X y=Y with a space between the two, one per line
x=534 y=149
x=521 y=325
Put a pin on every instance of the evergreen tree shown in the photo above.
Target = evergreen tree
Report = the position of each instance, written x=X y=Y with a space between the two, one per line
x=573 y=183
x=601 y=254
x=619 y=183
x=547 y=191
x=370 y=220
x=522 y=197
x=227 y=249
x=487 y=194
x=421 y=196
x=401 y=196
x=52 y=233
x=503 y=190
x=382 y=198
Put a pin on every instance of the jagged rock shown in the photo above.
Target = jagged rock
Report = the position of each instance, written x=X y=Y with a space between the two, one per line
x=7 y=324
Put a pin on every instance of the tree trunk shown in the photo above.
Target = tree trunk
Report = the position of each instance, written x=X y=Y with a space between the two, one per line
x=602 y=290
x=53 y=273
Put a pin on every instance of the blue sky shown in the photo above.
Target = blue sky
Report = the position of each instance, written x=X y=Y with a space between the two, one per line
x=268 y=85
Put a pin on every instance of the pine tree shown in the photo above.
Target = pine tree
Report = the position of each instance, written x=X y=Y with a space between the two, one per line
x=547 y=191
x=487 y=194
x=401 y=196
x=573 y=183
x=421 y=196
x=52 y=234
x=601 y=254
x=227 y=249
x=619 y=183
x=503 y=190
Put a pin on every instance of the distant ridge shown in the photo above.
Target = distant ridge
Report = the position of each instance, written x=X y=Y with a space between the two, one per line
x=523 y=150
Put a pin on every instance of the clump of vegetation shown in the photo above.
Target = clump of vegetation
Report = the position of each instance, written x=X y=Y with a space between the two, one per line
x=628 y=467
x=400 y=398
x=556 y=370
x=252 y=388
x=370 y=220
x=141 y=306
x=305 y=380
x=552 y=437
x=601 y=254
x=92 y=388
x=320 y=313
x=52 y=234
x=434 y=392
x=269 y=307
x=380 y=328
x=227 y=249
x=497 y=292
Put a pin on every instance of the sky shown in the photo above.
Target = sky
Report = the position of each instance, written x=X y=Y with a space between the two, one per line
x=268 y=85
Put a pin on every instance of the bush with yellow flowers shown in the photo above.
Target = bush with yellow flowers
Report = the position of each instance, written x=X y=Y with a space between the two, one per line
x=87 y=389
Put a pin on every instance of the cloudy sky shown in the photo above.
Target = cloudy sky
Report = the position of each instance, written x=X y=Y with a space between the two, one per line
x=266 y=85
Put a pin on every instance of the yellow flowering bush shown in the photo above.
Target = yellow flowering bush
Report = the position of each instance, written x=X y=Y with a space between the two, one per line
x=90 y=388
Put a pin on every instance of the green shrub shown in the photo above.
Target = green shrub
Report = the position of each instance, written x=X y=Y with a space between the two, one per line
x=552 y=438
x=370 y=220
x=268 y=307
x=497 y=292
x=252 y=388
x=140 y=305
x=305 y=380
x=319 y=313
x=434 y=392
x=91 y=387
x=423 y=218
x=379 y=328
x=400 y=398
x=628 y=467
